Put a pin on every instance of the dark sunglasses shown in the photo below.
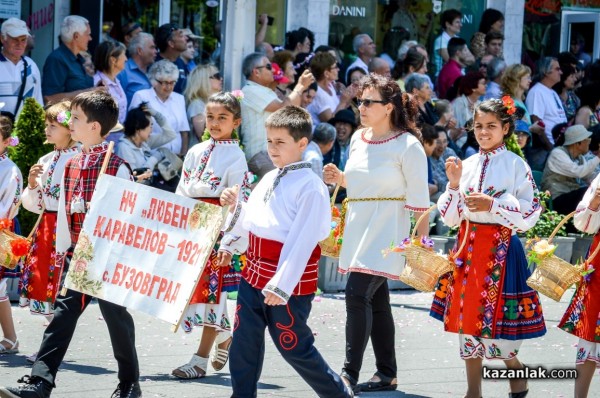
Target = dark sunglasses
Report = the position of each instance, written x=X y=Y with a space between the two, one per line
x=483 y=65
x=217 y=76
x=268 y=66
x=368 y=102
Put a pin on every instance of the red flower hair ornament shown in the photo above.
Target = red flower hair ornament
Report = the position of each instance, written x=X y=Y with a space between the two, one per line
x=509 y=104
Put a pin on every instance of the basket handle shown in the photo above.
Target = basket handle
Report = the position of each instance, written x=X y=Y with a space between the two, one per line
x=335 y=192
x=426 y=213
x=560 y=224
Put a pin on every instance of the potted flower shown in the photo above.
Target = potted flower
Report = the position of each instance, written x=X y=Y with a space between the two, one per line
x=549 y=220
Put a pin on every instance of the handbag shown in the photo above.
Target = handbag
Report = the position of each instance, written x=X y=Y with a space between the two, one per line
x=170 y=166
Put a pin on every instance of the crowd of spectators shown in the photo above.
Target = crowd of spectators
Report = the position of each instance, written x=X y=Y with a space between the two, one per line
x=159 y=77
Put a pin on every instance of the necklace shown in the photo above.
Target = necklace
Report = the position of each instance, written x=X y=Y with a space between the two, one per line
x=382 y=140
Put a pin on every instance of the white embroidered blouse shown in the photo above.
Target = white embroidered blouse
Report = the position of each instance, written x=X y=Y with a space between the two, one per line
x=11 y=182
x=45 y=195
x=587 y=219
x=291 y=206
x=507 y=179
x=210 y=167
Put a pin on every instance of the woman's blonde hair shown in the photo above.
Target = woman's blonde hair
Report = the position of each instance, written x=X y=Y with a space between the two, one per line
x=512 y=78
x=198 y=83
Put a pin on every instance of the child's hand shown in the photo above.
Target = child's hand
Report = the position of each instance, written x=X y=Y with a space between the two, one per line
x=229 y=197
x=331 y=174
x=223 y=258
x=273 y=299
x=35 y=171
x=478 y=201
x=453 y=171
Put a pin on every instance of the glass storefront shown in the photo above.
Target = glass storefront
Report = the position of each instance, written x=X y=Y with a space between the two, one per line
x=543 y=30
x=201 y=19
x=422 y=18
x=122 y=12
x=276 y=9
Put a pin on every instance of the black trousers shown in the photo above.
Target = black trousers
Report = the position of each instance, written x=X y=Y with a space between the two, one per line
x=369 y=314
x=292 y=337
x=59 y=333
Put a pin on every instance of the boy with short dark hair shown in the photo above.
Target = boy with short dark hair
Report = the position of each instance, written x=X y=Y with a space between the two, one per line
x=285 y=217
x=93 y=114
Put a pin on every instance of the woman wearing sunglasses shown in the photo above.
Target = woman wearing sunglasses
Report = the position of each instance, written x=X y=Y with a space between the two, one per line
x=163 y=76
x=386 y=179
x=204 y=81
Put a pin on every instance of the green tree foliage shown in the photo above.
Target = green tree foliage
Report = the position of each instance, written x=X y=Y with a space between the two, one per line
x=29 y=128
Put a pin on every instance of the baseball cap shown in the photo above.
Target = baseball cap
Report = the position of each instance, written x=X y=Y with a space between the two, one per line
x=14 y=27
x=188 y=33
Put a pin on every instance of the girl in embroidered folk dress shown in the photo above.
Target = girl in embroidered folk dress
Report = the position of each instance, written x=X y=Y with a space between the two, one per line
x=209 y=168
x=486 y=300
x=40 y=277
x=10 y=194
x=582 y=317
x=389 y=149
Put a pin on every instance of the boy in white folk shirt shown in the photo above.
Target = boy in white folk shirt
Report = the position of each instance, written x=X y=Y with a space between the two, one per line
x=285 y=217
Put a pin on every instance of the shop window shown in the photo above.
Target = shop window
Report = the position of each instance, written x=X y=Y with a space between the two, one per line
x=421 y=19
x=202 y=20
x=119 y=13
x=276 y=10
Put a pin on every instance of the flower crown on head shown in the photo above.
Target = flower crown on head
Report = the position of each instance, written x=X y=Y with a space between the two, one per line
x=238 y=94
x=63 y=118
x=509 y=104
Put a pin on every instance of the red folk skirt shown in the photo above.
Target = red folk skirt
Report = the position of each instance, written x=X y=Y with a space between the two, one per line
x=40 y=274
x=582 y=317
x=487 y=295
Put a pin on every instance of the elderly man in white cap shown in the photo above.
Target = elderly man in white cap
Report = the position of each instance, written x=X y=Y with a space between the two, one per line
x=567 y=173
x=19 y=75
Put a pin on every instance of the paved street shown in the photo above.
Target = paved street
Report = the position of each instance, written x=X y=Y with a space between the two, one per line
x=428 y=361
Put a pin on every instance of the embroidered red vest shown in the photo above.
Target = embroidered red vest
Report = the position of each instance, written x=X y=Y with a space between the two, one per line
x=84 y=181
x=261 y=264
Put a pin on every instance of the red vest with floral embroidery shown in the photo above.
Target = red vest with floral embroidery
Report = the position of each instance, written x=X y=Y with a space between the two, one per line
x=83 y=182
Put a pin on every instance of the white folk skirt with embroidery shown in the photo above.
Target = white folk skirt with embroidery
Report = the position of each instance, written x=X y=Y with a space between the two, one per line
x=478 y=347
x=211 y=315
x=588 y=351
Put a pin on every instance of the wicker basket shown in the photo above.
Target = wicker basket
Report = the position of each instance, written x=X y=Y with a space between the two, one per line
x=332 y=245
x=554 y=275
x=7 y=258
x=424 y=267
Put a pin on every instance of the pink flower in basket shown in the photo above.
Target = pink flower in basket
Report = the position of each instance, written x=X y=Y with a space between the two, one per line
x=80 y=265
